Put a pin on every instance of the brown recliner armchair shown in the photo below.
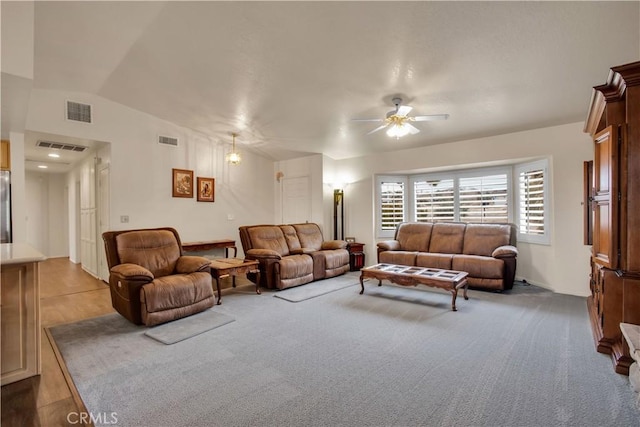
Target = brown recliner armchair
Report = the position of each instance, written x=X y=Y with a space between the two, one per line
x=151 y=281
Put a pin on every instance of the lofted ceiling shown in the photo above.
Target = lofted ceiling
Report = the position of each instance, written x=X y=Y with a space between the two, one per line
x=289 y=77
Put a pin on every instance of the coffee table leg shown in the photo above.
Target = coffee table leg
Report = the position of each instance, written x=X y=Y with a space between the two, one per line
x=218 y=290
x=361 y=284
x=258 y=282
x=464 y=291
x=454 y=294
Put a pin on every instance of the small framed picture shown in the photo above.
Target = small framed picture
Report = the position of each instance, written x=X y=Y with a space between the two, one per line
x=350 y=239
x=206 y=189
x=182 y=183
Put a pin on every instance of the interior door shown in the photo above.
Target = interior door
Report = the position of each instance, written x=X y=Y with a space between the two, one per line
x=103 y=220
x=296 y=200
x=605 y=198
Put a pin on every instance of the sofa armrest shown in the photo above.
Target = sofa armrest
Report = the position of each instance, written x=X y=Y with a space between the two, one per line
x=132 y=272
x=191 y=264
x=506 y=251
x=262 y=254
x=333 y=244
x=389 y=245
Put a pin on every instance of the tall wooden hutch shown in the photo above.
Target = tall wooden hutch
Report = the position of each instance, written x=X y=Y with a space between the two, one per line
x=612 y=216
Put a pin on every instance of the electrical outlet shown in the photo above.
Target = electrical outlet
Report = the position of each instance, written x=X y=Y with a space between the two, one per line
x=230 y=217
x=124 y=218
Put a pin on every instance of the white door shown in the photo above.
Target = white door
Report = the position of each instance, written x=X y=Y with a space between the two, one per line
x=296 y=200
x=103 y=220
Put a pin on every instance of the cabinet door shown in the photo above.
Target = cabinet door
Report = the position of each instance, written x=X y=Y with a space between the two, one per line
x=605 y=198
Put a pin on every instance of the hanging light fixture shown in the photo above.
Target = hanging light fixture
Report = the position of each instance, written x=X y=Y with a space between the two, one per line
x=233 y=158
x=398 y=127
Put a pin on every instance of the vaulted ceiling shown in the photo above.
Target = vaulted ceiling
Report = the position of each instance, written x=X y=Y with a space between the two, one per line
x=289 y=77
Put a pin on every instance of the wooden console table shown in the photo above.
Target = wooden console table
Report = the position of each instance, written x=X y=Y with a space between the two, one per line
x=207 y=245
x=405 y=275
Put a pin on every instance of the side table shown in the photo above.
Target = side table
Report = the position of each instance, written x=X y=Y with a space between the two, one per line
x=207 y=245
x=225 y=267
x=356 y=256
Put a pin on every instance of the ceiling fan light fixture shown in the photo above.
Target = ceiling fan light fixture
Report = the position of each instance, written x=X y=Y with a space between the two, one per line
x=233 y=158
x=397 y=130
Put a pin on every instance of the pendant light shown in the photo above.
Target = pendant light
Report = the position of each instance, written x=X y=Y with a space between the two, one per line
x=233 y=158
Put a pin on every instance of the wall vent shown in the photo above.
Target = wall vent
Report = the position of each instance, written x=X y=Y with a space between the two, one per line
x=78 y=112
x=168 y=140
x=61 y=146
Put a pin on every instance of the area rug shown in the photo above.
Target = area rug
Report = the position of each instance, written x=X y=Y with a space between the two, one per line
x=392 y=357
x=318 y=288
x=182 y=329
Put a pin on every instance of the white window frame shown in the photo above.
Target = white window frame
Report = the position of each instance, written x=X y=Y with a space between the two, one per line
x=384 y=233
x=545 y=238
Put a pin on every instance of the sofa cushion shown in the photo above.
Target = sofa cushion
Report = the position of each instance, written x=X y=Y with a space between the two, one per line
x=482 y=239
x=156 y=250
x=310 y=235
x=479 y=266
x=414 y=236
x=447 y=238
x=426 y=259
x=398 y=257
x=269 y=237
x=292 y=238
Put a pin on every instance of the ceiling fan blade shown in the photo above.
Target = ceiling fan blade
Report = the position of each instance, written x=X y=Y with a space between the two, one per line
x=367 y=120
x=377 y=129
x=403 y=110
x=412 y=129
x=430 y=117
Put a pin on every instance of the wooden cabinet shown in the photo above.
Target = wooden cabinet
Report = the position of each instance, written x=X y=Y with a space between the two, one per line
x=356 y=256
x=19 y=312
x=5 y=155
x=612 y=193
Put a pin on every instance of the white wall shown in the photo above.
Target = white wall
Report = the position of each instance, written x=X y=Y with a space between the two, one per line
x=45 y=198
x=562 y=266
x=140 y=170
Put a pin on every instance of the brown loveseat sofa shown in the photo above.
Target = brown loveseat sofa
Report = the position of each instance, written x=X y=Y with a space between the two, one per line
x=486 y=251
x=292 y=255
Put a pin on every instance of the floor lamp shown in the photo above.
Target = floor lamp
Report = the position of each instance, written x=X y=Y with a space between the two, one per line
x=338 y=199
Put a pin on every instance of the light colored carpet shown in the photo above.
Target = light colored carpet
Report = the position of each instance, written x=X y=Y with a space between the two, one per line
x=391 y=357
x=316 y=289
x=187 y=327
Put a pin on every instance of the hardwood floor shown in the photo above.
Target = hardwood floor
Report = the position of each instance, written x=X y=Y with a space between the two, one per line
x=67 y=294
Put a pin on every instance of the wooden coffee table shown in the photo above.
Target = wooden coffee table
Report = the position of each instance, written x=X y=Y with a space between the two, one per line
x=225 y=267
x=405 y=275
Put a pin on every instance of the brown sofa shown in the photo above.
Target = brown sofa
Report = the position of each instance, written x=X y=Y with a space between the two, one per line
x=151 y=281
x=293 y=254
x=486 y=251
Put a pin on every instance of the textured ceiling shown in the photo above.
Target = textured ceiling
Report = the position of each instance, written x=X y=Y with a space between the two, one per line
x=289 y=77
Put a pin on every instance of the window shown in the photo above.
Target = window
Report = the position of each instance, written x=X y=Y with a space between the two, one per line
x=434 y=200
x=532 y=202
x=483 y=198
x=391 y=204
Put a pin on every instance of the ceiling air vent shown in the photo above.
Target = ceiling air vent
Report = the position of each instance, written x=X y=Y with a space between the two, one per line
x=61 y=146
x=78 y=112
x=168 y=140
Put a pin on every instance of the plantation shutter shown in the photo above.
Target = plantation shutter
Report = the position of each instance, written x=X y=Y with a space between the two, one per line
x=531 y=191
x=392 y=197
x=483 y=199
x=434 y=200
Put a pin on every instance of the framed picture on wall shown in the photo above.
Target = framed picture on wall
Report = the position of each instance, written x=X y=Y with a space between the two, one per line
x=182 y=183
x=206 y=189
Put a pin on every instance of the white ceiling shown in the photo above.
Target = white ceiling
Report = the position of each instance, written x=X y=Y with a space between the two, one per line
x=289 y=77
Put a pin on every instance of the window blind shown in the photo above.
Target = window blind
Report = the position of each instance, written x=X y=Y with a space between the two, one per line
x=392 y=199
x=434 y=200
x=483 y=199
x=531 y=191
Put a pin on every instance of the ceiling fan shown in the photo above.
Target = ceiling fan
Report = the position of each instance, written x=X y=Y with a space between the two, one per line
x=398 y=121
